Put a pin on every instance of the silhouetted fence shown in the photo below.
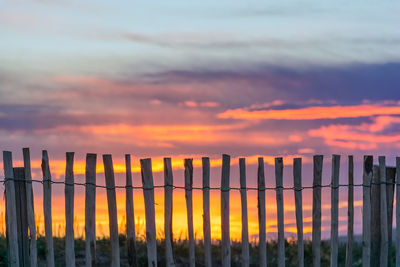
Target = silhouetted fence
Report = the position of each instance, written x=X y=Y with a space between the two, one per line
x=378 y=186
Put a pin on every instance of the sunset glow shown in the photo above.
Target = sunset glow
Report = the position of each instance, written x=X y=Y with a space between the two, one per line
x=185 y=79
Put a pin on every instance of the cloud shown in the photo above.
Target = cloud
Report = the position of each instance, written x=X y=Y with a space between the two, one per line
x=311 y=113
x=366 y=136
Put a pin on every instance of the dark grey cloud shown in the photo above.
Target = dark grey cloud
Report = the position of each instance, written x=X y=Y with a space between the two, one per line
x=346 y=84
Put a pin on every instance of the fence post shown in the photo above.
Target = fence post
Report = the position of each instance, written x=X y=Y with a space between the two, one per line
x=168 y=200
x=225 y=231
x=69 y=210
x=30 y=208
x=335 y=210
x=47 y=209
x=280 y=212
x=189 y=208
x=383 y=213
x=366 y=215
x=375 y=217
x=112 y=209
x=148 y=193
x=11 y=211
x=350 y=214
x=397 y=211
x=90 y=210
x=261 y=214
x=245 y=230
x=299 y=210
x=130 y=215
x=22 y=220
x=316 y=210
x=206 y=211
x=390 y=179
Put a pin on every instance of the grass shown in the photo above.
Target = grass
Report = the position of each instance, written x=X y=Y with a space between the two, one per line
x=103 y=252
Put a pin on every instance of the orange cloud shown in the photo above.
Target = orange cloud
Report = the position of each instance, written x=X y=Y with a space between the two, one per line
x=311 y=113
x=168 y=135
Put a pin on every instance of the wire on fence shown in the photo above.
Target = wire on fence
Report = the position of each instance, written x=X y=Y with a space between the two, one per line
x=199 y=188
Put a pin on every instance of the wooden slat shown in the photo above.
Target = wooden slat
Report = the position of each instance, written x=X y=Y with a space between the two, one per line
x=69 y=211
x=350 y=214
x=280 y=211
x=299 y=210
x=112 y=209
x=168 y=200
x=189 y=209
x=225 y=231
x=261 y=214
x=11 y=211
x=375 y=217
x=22 y=220
x=390 y=179
x=130 y=215
x=148 y=193
x=206 y=212
x=316 y=210
x=47 y=209
x=397 y=211
x=90 y=210
x=366 y=214
x=335 y=210
x=383 y=213
x=245 y=227
x=30 y=208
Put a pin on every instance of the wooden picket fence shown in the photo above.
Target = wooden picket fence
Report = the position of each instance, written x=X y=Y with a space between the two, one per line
x=378 y=186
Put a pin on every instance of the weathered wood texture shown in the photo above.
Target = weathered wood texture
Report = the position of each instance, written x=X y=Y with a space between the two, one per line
x=69 y=211
x=397 y=211
x=30 y=208
x=206 y=211
x=112 y=209
x=130 y=215
x=280 y=211
x=11 y=211
x=366 y=214
x=168 y=200
x=225 y=231
x=335 y=210
x=148 y=193
x=350 y=213
x=261 y=214
x=90 y=208
x=189 y=209
x=390 y=179
x=383 y=213
x=297 y=162
x=47 y=209
x=22 y=220
x=375 y=217
x=316 y=210
x=245 y=227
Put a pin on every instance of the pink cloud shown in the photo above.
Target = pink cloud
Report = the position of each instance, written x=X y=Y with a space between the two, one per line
x=365 y=136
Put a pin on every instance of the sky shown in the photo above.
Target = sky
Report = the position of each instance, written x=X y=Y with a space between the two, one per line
x=186 y=79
